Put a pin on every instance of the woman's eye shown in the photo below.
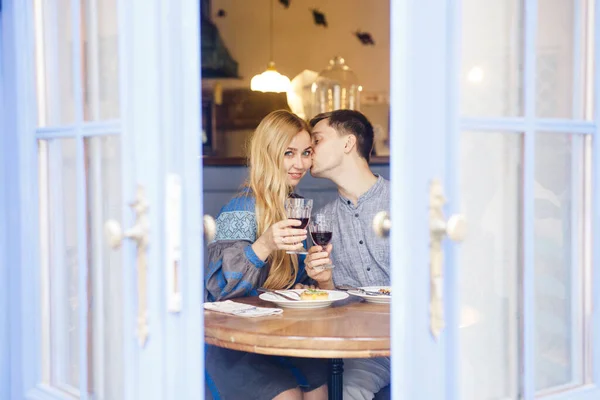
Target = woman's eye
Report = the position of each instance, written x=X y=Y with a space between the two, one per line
x=307 y=153
x=316 y=141
x=288 y=154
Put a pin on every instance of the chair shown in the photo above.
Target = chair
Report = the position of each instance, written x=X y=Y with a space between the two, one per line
x=384 y=394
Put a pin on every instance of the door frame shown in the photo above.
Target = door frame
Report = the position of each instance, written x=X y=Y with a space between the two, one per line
x=418 y=33
x=15 y=121
x=175 y=25
x=5 y=378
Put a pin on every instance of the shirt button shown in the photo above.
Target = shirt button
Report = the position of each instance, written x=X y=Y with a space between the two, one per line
x=349 y=202
x=368 y=268
x=361 y=242
x=356 y=215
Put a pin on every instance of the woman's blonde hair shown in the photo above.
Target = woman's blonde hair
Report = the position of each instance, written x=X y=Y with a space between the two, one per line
x=268 y=182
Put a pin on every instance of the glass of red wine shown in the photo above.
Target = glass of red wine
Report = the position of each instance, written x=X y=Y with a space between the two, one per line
x=300 y=209
x=321 y=231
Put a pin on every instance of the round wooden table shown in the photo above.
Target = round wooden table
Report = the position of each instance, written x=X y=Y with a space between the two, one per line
x=350 y=328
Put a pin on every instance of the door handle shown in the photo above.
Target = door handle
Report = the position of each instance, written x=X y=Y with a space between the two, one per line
x=139 y=233
x=455 y=228
x=382 y=224
x=210 y=228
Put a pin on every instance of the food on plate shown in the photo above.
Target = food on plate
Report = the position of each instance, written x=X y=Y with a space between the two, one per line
x=387 y=291
x=314 y=294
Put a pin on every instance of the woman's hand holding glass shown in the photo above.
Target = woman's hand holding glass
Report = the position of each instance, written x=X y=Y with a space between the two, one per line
x=283 y=235
x=299 y=209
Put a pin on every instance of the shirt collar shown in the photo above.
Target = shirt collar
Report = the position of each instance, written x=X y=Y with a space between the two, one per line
x=373 y=190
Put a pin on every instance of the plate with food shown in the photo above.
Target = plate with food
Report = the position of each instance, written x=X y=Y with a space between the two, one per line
x=303 y=298
x=373 y=294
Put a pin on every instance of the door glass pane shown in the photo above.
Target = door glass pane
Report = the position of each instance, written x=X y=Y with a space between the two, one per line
x=559 y=198
x=555 y=59
x=54 y=62
x=489 y=260
x=59 y=247
x=45 y=260
x=101 y=63
x=104 y=202
x=491 y=78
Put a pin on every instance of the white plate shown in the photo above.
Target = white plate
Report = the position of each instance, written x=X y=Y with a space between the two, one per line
x=370 y=298
x=334 y=295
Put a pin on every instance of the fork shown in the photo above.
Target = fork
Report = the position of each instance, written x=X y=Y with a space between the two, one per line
x=278 y=293
x=367 y=292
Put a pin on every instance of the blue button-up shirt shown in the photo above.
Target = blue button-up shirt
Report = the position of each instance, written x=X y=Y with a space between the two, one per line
x=360 y=257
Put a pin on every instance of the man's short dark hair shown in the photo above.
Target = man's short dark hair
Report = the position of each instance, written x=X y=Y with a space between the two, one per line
x=350 y=122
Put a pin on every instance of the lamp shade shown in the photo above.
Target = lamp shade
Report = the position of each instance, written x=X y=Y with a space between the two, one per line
x=270 y=81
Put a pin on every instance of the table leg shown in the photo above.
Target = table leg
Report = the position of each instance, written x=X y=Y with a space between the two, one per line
x=336 y=375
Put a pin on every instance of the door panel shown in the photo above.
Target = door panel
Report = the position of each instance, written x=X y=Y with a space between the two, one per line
x=559 y=264
x=490 y=264
x=105 y=321
x=545 y=307
x=58 y=255
x=74 y=293
x=100 y=47
x=92 y=124
x=560 y=53
x=517 y=93
x=491 y=75
x=54 y=60
x=80 y=188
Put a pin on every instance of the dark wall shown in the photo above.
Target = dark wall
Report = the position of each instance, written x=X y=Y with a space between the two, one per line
x=222 y=183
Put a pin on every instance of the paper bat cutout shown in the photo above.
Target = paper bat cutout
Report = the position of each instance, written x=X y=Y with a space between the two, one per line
x=319 y=18
x=365 y=38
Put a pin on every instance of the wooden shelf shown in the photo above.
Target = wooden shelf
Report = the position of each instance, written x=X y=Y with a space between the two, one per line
x=217 y=161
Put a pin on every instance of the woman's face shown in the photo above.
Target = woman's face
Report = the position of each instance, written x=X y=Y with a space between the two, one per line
x=298 y=157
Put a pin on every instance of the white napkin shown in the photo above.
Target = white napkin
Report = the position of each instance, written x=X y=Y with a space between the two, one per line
x=243 y=310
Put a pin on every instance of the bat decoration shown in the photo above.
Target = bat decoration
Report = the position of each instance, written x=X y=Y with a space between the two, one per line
x=286 y=3
x=221 y=13
x=365 y=38
x=319 y=18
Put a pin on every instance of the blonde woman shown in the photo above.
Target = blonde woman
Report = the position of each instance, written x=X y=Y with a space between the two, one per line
x=249 y=251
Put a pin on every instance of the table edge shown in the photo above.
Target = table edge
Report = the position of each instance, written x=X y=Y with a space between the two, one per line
x=298 y=352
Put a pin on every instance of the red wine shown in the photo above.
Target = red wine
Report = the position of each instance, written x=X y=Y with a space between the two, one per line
x=322 y=238
x=303 y=223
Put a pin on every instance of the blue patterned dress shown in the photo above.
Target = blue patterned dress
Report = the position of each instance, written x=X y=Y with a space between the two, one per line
x=234 y=270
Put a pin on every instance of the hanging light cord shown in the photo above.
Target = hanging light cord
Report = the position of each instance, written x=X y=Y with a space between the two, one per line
x=271 y=34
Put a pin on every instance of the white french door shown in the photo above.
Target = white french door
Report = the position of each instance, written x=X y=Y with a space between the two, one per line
x=498 y=101
x=104 y=126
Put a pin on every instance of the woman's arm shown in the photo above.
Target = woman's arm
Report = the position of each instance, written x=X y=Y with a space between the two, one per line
x=234 y=270
x=237 y=258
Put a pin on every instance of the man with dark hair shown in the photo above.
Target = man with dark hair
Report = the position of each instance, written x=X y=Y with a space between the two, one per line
x=349 y=122
x=342 y=145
